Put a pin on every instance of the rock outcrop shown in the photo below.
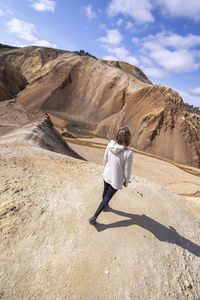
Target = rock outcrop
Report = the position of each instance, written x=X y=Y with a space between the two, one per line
x=13 y=115
x=11 y=81
x=39 y=133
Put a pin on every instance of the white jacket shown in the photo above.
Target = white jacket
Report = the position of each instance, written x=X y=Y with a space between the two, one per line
x=117 y=165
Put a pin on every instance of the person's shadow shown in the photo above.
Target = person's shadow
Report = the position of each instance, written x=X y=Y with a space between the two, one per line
x=160 y=231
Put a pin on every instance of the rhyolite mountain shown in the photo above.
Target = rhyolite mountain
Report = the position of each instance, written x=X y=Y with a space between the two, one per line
x=104 y=95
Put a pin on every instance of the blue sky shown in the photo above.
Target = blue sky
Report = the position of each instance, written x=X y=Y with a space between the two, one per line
x=162 y=37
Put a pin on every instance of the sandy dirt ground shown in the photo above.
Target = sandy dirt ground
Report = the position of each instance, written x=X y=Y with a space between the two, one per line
x=174 y=177
x=146 y=246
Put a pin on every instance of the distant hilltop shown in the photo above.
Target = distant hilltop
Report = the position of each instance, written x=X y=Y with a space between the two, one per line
x=2 y=46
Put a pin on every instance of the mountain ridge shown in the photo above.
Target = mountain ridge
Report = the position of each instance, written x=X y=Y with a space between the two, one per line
x=103 y=96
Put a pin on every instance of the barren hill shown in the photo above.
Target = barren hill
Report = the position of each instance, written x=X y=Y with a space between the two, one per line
x=147 y=246
x=102 y=96
x=135 y=71
x=29 y=60
x=79 y=89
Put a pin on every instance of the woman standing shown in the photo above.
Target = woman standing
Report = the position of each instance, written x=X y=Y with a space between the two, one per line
x=117 y=168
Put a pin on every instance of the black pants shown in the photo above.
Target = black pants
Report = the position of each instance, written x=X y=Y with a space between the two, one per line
x=108 y=192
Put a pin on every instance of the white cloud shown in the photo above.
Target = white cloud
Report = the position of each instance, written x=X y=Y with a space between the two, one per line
x=197 y=53
x=119 y=22
x=44 y=43
x=196 y=91
x=135 y=40
x=113 y=37
x=146 y=61
x=177 y=61
x=112 y=43
x=27 y=31
x=110 y=57
x=153 y=72
x=173 y=52
x=129 y=25
x=44 y=5
x=131 y=60
x=2 y=13
x=173 y=40
x=190 y=97
x=181 y=8
x=22 y=29
x=122 y=54
x=118 y=51
x=140 y=10
x=90 y=13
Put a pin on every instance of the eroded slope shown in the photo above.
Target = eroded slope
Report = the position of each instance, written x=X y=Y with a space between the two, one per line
x=81 y=89
x=159 y=124
x=39 y=133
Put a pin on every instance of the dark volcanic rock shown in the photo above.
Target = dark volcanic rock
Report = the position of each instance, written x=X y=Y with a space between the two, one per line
x=11 y=81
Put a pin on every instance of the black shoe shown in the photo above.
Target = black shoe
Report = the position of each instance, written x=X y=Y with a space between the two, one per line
x=92 y=220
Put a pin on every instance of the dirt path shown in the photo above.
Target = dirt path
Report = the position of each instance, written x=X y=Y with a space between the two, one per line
x=177 y=178
x=100 y=145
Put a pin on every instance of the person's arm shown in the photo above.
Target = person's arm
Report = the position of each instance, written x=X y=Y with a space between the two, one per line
x=105 y=159
x=127 y=168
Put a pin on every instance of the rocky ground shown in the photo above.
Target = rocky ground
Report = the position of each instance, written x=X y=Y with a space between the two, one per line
x=146 y=246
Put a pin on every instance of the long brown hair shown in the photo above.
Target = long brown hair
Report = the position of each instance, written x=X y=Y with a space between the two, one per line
x=123 y=136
